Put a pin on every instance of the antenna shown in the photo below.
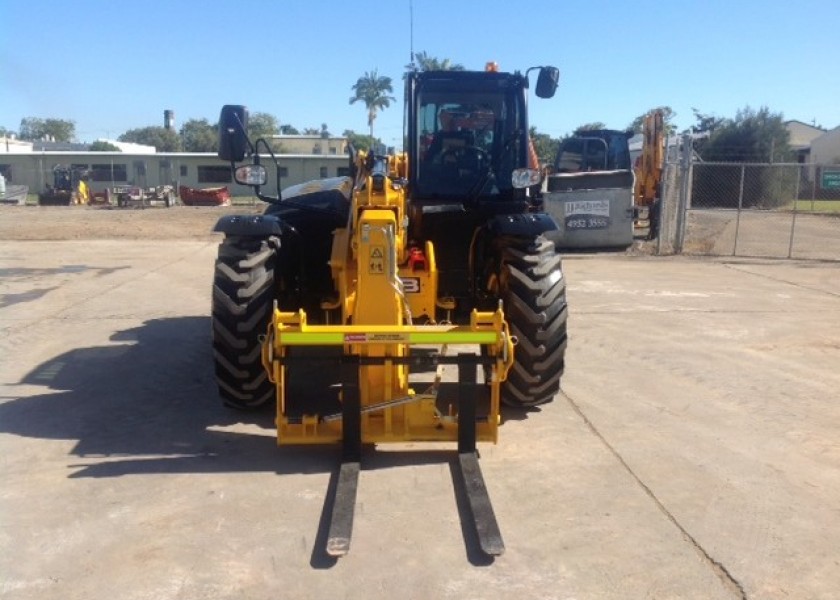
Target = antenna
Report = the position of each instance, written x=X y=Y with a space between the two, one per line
x=411 y=32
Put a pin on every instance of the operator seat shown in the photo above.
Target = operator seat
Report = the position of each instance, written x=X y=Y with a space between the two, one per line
x=449 y=142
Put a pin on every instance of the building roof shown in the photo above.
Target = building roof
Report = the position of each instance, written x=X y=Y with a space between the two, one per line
x=130 y=147
x=42 y=146
x=11 y=144
x=296 y=136
x=801 y=134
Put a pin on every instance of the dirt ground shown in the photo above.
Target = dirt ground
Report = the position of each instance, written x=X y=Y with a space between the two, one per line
x=95 y=223
x=156 y=223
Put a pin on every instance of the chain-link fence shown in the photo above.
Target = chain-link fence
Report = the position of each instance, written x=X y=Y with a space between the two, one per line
x=783 y=210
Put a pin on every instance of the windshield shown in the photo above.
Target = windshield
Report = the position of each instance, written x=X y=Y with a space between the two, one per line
x=467 y=143
x=600 y=150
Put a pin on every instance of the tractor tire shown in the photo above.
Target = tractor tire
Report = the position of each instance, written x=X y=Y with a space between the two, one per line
x=533 y=291
x=244 y=288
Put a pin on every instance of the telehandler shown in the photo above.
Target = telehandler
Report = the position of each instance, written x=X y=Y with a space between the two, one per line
x=377 y=274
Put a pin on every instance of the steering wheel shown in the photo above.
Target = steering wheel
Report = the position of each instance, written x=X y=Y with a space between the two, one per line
x=467 y=157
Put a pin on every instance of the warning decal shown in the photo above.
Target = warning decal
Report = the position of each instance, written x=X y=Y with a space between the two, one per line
x=376 y=262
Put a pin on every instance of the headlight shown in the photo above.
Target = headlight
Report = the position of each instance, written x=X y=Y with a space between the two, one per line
x=522 y=178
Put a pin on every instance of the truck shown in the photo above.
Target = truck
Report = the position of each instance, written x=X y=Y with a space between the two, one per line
x=590 y=191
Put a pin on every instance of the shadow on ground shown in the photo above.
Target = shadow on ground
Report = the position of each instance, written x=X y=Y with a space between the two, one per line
x=147 y=404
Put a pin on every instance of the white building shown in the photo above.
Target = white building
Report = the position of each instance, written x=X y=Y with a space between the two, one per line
x=11 y=144
x=825 y=149
x=199 y=170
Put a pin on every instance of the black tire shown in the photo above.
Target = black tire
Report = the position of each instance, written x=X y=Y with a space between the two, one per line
x=244 y=289
x=533 y=290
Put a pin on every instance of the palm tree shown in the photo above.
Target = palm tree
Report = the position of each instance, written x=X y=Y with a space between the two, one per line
x=373 y=90
x=430 y=63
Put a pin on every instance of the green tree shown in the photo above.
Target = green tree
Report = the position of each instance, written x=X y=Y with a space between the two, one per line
x=668 y=115
x=752 y=136
x=545 y=146
x=706 y=123
x=164 y=140
x=198 y=135
x=59 y=130
x=262 y=125
x=589 y=127
x=359 y=140
x=425 y=62
x=7 y=132
x=288 y=130
x=103 y=146
x=372 y=89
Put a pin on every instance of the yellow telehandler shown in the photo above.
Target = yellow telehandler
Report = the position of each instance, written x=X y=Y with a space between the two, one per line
x=377 y=274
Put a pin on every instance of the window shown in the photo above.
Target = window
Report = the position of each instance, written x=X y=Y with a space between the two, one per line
x=6 y=172
x=316 y=149
x=324 y=172
x=109 y=173
x=214 y=174
x=333 y=150
x=284 y=171
x=469 y=139
x=183 y=170
x=343 y=171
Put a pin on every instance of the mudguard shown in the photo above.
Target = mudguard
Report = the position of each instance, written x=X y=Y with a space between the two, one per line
x=525 y=224
x=251 y=225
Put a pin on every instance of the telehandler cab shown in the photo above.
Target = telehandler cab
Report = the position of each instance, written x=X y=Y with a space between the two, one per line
x=377 y=274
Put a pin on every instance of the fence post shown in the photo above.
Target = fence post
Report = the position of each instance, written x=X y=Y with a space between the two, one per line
x=664 y=193
x=795 y=206
x=682 y=205
x=738 y=214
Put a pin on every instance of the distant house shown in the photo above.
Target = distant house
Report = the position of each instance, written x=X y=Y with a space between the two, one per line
x=801 y=136
x=192 y=169
x=130 y=147
x=310 y=144
x=50 y=146
x=825 y=149
x=12 y=144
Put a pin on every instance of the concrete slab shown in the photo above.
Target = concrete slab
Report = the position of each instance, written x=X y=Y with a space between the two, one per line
x=693 y=453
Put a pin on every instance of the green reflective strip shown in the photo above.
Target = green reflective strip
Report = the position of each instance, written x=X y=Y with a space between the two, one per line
x=453 y=337
x=320 y=338
x=311 y=338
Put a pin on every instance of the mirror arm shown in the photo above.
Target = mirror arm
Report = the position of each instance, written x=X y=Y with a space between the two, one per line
x=528 y=73
x=256 y=154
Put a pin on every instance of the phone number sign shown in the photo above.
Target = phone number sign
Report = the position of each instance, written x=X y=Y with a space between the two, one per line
x=587 y=214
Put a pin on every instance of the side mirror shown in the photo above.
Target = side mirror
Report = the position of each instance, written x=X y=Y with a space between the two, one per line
x=547 y=82
x=233 y=136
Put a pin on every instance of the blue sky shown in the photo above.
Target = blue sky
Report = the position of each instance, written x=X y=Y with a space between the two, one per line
x=111 y=66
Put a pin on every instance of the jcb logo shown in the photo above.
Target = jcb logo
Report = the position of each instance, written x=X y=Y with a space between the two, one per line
x=411 y=285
